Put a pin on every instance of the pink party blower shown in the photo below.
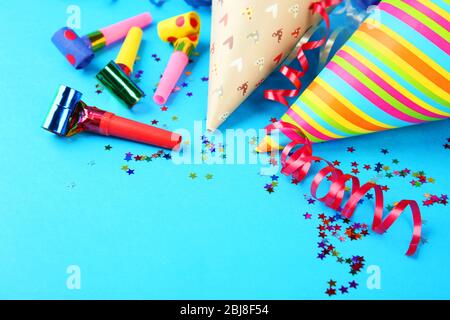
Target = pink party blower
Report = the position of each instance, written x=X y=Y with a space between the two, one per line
x=183 y=31
x=177 y=63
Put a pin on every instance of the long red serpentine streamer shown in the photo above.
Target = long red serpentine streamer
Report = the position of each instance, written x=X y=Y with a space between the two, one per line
x=297 y=157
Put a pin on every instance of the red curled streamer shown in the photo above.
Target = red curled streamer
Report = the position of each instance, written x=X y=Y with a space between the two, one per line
x=292 y=74
x=298 y=162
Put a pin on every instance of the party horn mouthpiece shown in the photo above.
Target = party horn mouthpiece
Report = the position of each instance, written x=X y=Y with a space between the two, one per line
x=69 y=115
x=115 y=79
x=177 y=63
x=116 y=75
x=80 y=51
x=61 y=112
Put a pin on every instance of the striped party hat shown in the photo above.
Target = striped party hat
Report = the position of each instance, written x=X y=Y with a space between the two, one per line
x=393 y=72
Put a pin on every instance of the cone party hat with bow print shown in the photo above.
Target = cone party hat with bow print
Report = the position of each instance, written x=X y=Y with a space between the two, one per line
x=249 y=39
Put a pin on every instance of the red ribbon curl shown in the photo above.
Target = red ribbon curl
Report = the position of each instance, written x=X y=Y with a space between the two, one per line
x=292 y=74
x=297 y=162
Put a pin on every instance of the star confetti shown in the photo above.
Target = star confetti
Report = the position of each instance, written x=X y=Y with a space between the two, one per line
x=128 y=156
x=160 y=154
x=336 y=227
x=309 y=199
x=447 y=144
x=137 y=76
x=192 y=175
x=330 y=292
x=208 y=176
x=99 y=88
x=211 y=149
x=270 y=187
x=431 y=199
x=332 y=285
x=156 y=57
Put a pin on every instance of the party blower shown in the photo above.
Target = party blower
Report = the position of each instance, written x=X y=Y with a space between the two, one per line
x=183 y=32
x=80 y=51
x=69 y=115
x=116 y=75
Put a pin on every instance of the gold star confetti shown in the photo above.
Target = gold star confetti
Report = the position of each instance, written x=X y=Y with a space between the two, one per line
x=208 y=176
x=192 y=175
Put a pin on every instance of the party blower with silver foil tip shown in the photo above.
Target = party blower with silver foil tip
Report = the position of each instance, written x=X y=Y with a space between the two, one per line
x=80 y=51
x=69 y=115
x=116 y=75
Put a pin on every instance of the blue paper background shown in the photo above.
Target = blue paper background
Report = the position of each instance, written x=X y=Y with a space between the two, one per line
x=158 y=234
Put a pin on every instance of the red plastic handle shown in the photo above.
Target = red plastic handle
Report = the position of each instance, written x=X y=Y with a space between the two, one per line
x=112 y=125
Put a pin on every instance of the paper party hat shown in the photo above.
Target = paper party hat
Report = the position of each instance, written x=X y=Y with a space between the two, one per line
x=249 y=39
x=391 y=73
